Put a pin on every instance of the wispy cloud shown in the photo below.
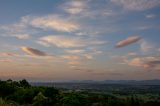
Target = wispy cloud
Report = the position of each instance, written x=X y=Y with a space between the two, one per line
x=88 y=54
x=61 y=41
x=74 y=63
x=144 y=27
x=53 y=22
x=92 y=53
x=6 y=60
x=146 y=46
x=18 y=30
x=150 y=16
x=86 y=9
x=27 y=26
x=137 y=5
x=72 y=60
x=68 y=42
x=74 y=7
x=128 y=41
x=132 y=54
x=7 y=54
x=36 y=65
x=76 y=51
x=71 y=57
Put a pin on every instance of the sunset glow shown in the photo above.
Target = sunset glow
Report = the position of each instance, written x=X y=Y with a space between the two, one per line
x=79 y=39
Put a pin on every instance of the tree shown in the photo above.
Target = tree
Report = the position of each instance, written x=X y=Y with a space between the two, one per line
x=73 y=99
x=40 y=100
x=24 y=83
x=52 y=94
x=6 y=89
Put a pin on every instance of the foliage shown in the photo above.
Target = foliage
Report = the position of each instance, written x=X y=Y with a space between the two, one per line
x=21 y=93
x=3 y=103
x=73 y=99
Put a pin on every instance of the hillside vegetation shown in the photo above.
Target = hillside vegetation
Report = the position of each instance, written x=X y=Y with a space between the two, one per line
x=21 y=93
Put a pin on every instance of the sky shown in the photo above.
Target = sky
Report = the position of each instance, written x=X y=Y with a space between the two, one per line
x=45 y=40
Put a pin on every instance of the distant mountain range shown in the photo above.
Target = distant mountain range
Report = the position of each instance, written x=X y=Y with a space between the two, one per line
x=122 y=82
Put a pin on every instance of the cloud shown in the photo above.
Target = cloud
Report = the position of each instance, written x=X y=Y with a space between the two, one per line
x=6 y=60
x=67 y=42
x=61 y=41
x=144 y=27
x=51 y=22
x=18 y=30
x=145 y=46
x=136 y=62
x=74 y=7
x=85 y=9
x=27 y=26
x=128 y=41
x=22 y=36
x=153 y=65
x=74 y=63
x=88 y=56
x=132 y=54
x=6 y=54
x=33 y=52
x=72 y=60
x=147 y=63
x=71 y=57
x=150 y=16
x=137 y=5
x=77 y=51
x=36 y=65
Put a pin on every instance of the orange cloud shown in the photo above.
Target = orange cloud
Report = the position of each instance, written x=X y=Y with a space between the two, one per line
x=148 y=63
x=74 y=63
x=5 y=60
x=136 y=62
x=33 y=52
x=71 y=57
x=7 y=54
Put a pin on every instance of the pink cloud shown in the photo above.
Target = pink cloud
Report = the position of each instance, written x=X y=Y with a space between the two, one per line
x=128 y=41
x=6 y=54
x=34 y=52
x=147 y=63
